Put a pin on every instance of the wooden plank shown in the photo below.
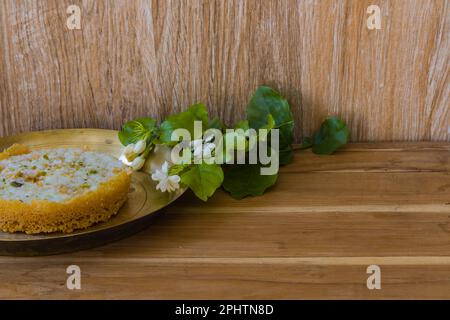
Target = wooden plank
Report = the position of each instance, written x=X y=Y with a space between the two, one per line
x=376 y=157
x=309 y=278
x=152 y=58
x=343 y=191
x=282 y=234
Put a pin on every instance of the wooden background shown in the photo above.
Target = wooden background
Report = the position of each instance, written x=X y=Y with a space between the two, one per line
x=151 y=58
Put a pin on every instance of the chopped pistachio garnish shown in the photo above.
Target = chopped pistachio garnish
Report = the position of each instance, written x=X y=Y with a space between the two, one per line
x=16 y=184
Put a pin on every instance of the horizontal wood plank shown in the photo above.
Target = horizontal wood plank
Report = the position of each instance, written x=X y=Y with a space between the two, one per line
x=225 y=279
x=274 y=234
x=375 y=157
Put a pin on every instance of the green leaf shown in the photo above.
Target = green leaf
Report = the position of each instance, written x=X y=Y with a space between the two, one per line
x=203 y=179
x=270 y=123
x=332 y=135
x=135 y=130
x=185 y=120
x=269 y=126
x=307 y=143
x=265 y=102
x=246 y=180
x=216 y=123
x=177 y=169
x=243 y=124
x=242 y=130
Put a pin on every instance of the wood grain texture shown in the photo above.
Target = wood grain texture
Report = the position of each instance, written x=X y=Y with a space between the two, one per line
x=226 y=279
x=312 y=236
x=151 y=58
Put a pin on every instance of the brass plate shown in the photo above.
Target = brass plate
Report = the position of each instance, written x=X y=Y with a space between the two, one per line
x=144 y=201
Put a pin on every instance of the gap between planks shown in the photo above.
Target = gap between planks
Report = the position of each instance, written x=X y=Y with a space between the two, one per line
x=390 y=146
x=431 y=208
x=387 y=260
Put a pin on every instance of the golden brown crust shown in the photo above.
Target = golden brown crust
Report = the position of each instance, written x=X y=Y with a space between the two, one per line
x=80 y=212
x=14 y=150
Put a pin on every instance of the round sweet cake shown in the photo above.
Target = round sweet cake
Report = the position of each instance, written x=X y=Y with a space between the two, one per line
x=59 y=190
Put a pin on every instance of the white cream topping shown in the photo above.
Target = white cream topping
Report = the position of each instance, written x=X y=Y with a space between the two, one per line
x=55 y=175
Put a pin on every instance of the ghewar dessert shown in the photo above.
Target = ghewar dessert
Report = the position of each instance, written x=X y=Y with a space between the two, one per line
x=59 y=190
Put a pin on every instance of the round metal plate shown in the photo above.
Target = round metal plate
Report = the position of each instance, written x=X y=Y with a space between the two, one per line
x=144 y=201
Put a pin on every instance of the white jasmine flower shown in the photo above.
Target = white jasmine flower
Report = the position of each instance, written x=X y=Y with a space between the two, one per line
x=197 y=147
x=128 y=151
x=139 y=147
x=130 y=155
x=124 y=160
x=203 y=147
x=166 y=182
x=137 y=163
x=207 y=149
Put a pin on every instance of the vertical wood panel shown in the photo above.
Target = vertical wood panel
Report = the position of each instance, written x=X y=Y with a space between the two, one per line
x=135 y=58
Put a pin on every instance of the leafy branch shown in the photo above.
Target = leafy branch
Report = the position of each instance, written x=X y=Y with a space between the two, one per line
x=267 y=109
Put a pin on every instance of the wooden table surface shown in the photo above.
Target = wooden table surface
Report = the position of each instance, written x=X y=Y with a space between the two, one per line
x=312 y=236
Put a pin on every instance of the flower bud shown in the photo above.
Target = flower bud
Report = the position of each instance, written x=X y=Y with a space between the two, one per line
x=139 y=147
x=137 y=163
x=128 y=152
